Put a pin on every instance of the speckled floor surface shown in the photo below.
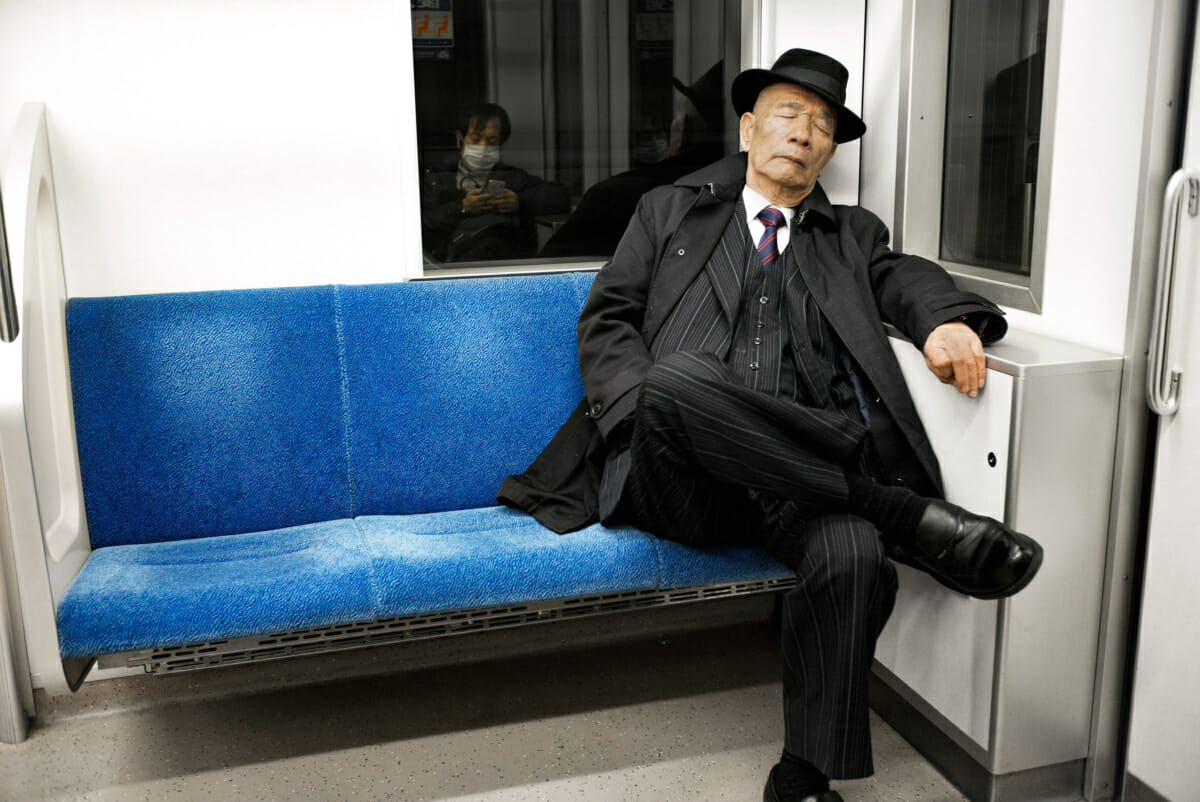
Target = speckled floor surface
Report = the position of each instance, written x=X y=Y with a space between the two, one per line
x=695 y=717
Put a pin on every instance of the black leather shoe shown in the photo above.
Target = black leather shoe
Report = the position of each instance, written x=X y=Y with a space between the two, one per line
x=972 y=554
x=770 y=795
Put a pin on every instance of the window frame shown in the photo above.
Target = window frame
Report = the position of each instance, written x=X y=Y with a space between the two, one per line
x=744 y=15
x=925 y=60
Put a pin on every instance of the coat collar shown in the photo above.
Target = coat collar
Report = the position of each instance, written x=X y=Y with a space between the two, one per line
x=726 y=178
x=817 y=210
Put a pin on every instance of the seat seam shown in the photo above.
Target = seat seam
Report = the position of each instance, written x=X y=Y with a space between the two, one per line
x=339 y=329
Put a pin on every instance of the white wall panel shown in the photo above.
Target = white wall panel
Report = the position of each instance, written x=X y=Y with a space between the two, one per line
x=220 y=144
x=1103 y=79
x=1099 y=122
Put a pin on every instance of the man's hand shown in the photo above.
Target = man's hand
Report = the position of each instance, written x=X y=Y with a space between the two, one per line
x=954 y=354
x=476 y=202
x=506 y=202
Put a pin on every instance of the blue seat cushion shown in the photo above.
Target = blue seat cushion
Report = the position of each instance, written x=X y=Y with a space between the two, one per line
x=157 y=595
x=178 y=593
x=497 y=556
x=684 y=566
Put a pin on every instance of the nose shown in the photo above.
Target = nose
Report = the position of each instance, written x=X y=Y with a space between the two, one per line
x=801 y=132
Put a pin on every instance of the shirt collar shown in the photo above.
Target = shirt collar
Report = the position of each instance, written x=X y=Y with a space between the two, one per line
x=755 y=203
x=815 y=204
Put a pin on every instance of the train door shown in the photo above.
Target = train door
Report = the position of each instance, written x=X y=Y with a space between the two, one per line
x=1162 y=752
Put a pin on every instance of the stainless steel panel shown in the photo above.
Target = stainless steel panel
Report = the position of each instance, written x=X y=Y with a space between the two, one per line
x=1064 y=427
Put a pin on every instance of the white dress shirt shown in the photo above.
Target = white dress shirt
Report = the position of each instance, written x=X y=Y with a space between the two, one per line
x=754 y=204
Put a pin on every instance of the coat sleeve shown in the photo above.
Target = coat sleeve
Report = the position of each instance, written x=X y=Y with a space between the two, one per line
x=613 y=353
x=917 y=295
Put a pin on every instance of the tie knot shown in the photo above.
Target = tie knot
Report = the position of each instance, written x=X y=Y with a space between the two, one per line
x=771 y=217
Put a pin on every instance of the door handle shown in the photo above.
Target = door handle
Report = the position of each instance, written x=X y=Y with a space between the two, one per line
x=1162 y=381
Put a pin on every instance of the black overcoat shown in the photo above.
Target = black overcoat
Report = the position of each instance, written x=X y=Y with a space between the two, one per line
x=859 y=283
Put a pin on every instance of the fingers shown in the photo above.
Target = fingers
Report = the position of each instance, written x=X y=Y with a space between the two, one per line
x=507 y=201
x=978 y=360
x=954 y=353
x=475 y=200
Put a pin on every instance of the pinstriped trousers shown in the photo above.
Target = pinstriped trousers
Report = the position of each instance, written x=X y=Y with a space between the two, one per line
x=716 y=463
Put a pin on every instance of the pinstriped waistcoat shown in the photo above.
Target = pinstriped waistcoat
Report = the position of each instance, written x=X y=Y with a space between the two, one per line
x=780 y=342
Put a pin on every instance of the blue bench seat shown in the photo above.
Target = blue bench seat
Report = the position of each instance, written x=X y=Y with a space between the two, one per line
x=265 y=461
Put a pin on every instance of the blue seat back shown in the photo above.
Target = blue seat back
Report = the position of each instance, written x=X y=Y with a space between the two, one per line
x=455 y=384
x=213 y=413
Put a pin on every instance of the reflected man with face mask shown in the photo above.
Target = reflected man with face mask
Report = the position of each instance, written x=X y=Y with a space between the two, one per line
x=477 y=208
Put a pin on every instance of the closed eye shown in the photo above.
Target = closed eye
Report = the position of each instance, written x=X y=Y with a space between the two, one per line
x=819 y=118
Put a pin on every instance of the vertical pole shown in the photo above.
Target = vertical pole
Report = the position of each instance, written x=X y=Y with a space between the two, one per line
x=8 y=297
x=14 y=725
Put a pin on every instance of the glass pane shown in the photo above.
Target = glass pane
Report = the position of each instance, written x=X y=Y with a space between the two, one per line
x=993 y=123
x=541 y=122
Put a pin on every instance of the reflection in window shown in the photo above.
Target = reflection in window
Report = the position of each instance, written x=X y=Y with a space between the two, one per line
x=541 y=122
x=993 y=120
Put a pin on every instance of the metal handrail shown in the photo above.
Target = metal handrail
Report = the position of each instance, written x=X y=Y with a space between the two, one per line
x=9 y=326
x=1162 y=381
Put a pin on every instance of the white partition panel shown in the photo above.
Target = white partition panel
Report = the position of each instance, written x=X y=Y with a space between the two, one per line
x=48 y=539
x=1001 y=691
x=940 y=643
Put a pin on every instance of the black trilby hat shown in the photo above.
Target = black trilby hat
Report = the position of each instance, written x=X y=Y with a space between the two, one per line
x=816 y=71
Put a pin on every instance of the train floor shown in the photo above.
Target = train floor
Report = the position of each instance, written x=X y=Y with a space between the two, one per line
x=695 y=716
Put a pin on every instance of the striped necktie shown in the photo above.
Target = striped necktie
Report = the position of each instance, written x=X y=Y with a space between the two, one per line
x=772 y=218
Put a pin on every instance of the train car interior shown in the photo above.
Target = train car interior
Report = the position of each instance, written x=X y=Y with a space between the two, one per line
x=287 y=291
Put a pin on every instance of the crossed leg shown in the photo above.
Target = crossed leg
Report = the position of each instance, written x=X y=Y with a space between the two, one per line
x=714 y=463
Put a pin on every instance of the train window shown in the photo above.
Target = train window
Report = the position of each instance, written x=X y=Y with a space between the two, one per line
x=541 y=122
x=975 y=140
x=993 y=123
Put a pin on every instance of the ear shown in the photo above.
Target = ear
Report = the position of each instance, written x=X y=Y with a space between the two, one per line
x=745 y=129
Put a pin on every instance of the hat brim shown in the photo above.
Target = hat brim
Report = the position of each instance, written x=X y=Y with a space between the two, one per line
x=747 y=86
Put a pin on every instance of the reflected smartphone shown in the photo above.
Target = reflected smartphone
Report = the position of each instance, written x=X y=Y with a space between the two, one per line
x=494 y=187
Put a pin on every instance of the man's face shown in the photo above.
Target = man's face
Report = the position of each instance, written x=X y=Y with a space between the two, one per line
x=789 y=140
